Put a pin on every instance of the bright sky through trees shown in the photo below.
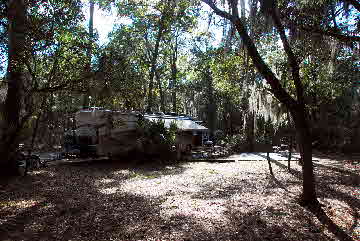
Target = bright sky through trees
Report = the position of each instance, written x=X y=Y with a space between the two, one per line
x=103 y=21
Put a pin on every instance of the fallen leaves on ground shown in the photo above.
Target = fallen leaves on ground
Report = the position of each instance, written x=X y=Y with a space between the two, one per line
x=104 y=200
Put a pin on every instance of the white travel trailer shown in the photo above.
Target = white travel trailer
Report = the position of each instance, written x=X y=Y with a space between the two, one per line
x=103 y=132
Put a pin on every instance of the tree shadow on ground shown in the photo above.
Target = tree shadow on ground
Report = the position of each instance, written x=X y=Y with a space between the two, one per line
x=339 y=157
x=149 y=168
x=107 y=217
x=325 y=191
x=294 y=172
x=79 y=202
x=339 y=176
x=214 y=190
x=254 y=220
x=325 y=220
x=250 y=184
x=79 y=210
x=261 y=225
x=277 y=183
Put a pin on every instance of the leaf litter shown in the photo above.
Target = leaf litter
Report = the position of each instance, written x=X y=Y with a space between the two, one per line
x=178 y=201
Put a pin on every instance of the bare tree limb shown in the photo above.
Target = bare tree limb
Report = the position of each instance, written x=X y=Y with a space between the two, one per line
x=355 y=3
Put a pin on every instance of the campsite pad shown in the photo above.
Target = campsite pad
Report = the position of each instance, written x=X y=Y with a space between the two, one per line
x=255 y=156
x=106 y=200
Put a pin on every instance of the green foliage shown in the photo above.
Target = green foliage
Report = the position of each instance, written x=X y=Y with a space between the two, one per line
x=147 y=45
x=26 y=131
x=171 y=135
x=156 y=130
x=236 y=142
x=229 y=74
x=123 y=71
x=265 y=130
x=211 y=82
x=260 y=131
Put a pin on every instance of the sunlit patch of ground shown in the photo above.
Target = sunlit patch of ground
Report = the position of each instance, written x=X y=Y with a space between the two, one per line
x=20 y=204
x=193 y=201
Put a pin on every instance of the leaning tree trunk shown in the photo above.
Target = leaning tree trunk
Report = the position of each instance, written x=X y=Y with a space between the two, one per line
x=296 y=106
x=15 y=74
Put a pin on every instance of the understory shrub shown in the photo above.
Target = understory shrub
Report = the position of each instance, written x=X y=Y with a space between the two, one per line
x=156 y=139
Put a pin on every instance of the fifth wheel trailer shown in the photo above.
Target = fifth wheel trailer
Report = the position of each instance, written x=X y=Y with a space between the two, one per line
x=101 y=132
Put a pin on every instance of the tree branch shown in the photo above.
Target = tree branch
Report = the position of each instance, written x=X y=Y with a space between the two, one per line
x=218 y=11
x=259 y=63
x=355 y=3
x=52 y=89
x=28 y=66
x=234 y=8
x=294 y=65
x=341 y=37
x=63 y=86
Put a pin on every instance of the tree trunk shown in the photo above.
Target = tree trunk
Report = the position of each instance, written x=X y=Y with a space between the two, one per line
x=243 y=10
x=304 y=138
x=15 y=76
x=211 y=105
x=153 y=64
x=162 y=99
x=35 y=131
x=290 y=151
x=355 y=3
x=297 y=106
x=269 y=162
x=290 y=142
x=231 y=123
x=89 y=52
x=174 y=76
x=250 y=130
x=91 y=28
